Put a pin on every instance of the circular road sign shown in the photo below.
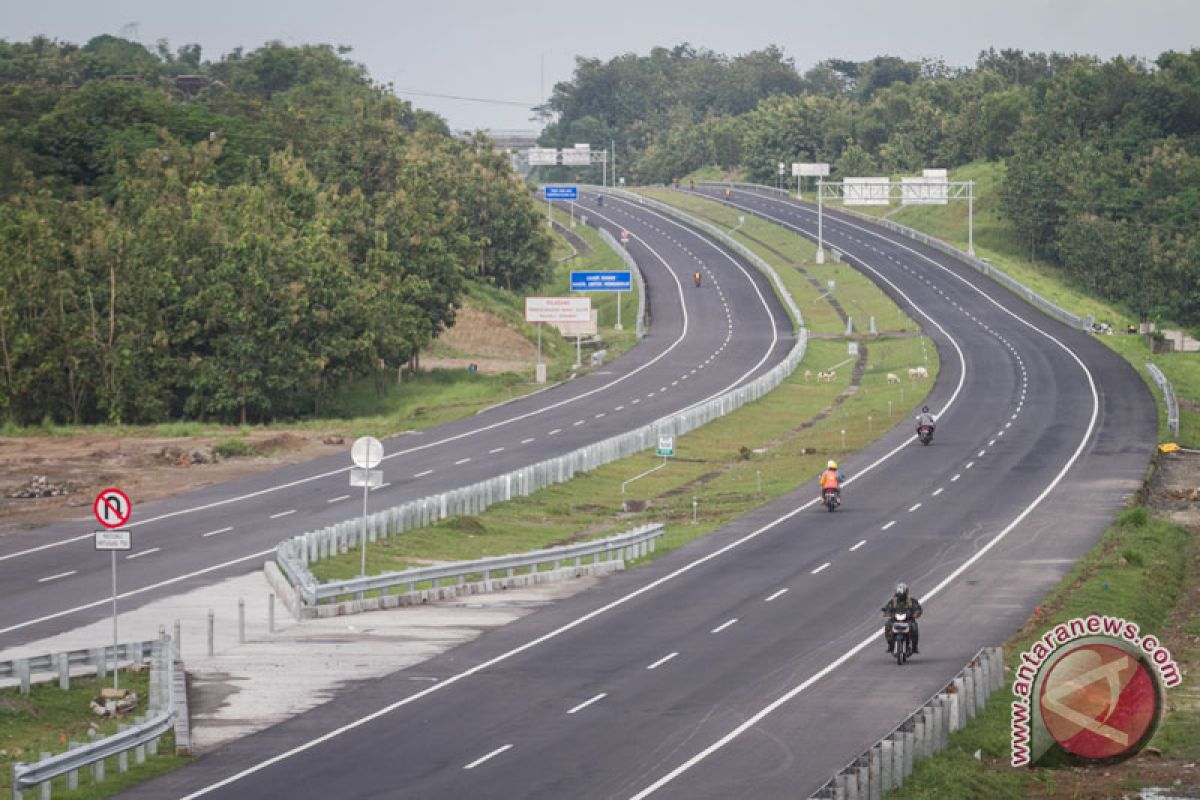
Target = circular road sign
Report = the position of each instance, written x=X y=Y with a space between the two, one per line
x=112 y=508
x=366 y=452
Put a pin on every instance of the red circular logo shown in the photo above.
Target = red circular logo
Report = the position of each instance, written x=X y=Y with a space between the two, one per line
x=1100 y=701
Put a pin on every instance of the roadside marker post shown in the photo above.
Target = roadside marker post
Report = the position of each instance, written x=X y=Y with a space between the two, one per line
x=113 y=509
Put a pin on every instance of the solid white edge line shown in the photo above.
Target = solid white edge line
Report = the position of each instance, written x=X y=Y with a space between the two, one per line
x=662 y=661
x=873 y=638
x=226 y=529
x=860 y=544
x=609 y=606
x=587 y=703
x=724 y=625
x=775 y=595
x=492 y=754
x=133 y=592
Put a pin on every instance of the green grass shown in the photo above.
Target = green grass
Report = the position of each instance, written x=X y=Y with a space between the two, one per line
x=47 y=718
x=1145 y=588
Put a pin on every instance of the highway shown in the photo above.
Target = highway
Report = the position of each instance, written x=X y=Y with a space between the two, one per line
x=701 y=343
x=750 y=663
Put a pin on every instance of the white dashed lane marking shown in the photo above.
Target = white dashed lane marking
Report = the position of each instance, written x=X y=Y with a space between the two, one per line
x=587 y=703
x=490 y=755
x=860 y=544
x=821 y=568
x=914 y=508
x=49 y=578
x=423 y=474
x=724 y=625
x=495 y=450
x=228 y=528
x=957 y=475
x=142 y=553
x=938 y=491
x=530 y=439
x=337 y=499
x=775 y=595
x=888 y=525
x=462 y=461
x=661 y=661
x=283 y=513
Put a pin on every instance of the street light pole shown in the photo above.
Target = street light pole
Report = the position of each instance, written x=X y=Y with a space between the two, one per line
x=820 y=220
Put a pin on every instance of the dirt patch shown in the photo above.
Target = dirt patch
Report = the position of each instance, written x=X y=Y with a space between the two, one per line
x=146 y=468
x=478 y=333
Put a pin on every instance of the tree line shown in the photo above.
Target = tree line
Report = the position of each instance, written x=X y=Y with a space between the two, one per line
x=231 y=240
x=1100 y=157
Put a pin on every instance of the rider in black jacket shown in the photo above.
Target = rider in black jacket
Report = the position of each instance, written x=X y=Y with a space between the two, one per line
x=901 y=601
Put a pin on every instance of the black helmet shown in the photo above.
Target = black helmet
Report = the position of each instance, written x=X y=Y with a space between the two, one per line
x=924 y=409
x=902 y=591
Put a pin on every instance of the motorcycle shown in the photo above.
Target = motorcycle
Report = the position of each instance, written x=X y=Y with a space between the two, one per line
x=925 y=434
x=696 y=278
x=831 y=498
x=901 y=636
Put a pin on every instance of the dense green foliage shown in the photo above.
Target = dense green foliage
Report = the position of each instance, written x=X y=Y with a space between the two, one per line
x=230 y=240
x=1102 y=158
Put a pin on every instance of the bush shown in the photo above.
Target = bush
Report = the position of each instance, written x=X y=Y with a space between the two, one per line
x=232 y=448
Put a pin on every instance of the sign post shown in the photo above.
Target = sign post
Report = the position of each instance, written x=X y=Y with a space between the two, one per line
x=366 y=453
x=113 y=509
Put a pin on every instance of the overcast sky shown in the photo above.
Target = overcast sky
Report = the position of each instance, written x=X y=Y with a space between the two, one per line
x=516 y=51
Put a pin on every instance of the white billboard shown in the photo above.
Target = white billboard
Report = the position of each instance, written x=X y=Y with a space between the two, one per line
x=542 y=156
x=810 y=170
x=940 y=174
x=576 y=157
x=865 y=191
x=927 y=191
x=558 y=309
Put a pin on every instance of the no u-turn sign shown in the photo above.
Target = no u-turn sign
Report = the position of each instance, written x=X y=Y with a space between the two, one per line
x=112 y=508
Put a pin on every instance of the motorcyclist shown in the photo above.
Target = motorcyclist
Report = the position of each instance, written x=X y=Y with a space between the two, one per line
x=926 y=419
x=833 y=479
x=902 y=601
x=599 y=199
x=696 y=277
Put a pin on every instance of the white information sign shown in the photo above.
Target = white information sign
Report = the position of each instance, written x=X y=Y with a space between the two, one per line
x=666 y=446
x=366 y=477
x=114 y=540
x=924 y=191
x=558 y=309
x=542 y=156
x=576 y=157
x=865 y=191
x=940 y=174
x=810 y=170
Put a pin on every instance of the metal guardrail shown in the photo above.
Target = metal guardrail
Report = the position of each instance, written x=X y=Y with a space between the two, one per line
x=633 y=267
x=1164 y=386
x=631 y=544
x=143 y=734
x=886 y=764
x=981 y=266
x=340 y=538
x=23 y=669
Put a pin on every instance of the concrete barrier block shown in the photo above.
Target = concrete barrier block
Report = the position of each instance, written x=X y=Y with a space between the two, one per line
x=874 y=766
x=887 y=759
x=968 y=697
x=900 y=744
x=910 y=744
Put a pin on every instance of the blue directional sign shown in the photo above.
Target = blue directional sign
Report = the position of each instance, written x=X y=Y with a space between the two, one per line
x=561 y=192
x=601 y=281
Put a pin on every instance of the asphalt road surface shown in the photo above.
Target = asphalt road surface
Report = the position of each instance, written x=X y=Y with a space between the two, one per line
x=750 y=663
x=701 y=343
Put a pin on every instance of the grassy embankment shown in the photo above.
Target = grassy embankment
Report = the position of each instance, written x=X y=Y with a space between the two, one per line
x=47 y=718
x=995 y=242
x=1136 y=572
x=776 y=441
x=430 y=397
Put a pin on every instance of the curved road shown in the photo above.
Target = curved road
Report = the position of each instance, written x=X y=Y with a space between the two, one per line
x=749 y=663
x=702 y=342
